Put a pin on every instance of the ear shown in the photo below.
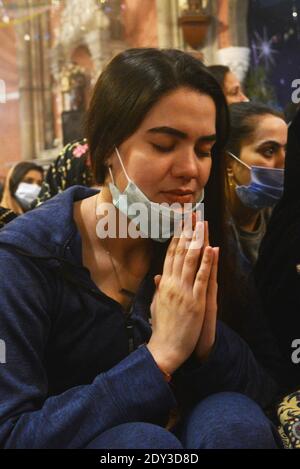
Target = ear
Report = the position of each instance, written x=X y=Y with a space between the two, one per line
x=108 y=162
x=230 y=166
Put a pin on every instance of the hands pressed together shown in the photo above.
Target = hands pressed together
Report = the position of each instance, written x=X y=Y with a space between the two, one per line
x=184 y=307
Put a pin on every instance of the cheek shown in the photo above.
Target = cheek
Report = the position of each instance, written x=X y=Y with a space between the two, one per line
x=252 y=158
x=204 y=171
x=231 y=100
x=241 y=174
x=149 y=175
x=120 y=180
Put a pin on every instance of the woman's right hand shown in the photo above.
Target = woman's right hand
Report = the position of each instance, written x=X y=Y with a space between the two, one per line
x=179 y=304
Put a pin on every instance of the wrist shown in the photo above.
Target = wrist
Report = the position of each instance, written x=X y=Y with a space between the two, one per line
x=164 y=362
x=167 y=376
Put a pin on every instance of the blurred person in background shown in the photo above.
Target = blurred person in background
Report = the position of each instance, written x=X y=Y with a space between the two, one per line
x=229 y=83
x=22 y=186
x=255 y=162
x=72 y=167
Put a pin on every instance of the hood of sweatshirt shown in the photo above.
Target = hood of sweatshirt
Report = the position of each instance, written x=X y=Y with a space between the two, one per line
x=46 y=231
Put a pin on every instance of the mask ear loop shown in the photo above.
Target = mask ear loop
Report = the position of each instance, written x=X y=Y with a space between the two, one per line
x=111 y=175
x=237 y=159
x=122 y=165
x=121 y=162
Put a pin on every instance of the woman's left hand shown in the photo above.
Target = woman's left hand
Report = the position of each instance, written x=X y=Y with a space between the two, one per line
x=208 y=333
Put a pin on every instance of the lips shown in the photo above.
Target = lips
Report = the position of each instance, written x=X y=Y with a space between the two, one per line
x=180 y=192
x=180 y=196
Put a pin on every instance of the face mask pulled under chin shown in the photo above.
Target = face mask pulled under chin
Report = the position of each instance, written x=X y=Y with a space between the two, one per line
x=156 y=221
x=26 y=194
x=265 y=188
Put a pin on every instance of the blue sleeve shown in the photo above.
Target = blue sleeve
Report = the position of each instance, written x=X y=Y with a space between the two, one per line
x=134 y=390
x=231 y=367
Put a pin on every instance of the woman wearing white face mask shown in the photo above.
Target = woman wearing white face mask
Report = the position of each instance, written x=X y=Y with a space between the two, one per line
x=255 y=162
x=22 y=186
x=109 y=335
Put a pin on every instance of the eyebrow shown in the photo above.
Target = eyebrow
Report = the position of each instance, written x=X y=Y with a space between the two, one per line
x=178 y=133
x=271 y=142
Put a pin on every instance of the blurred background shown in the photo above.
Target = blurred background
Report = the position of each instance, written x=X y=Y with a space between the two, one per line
x=52 y=52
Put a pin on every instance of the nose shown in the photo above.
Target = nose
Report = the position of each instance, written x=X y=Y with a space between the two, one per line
x=243 y=98
x=186 y=165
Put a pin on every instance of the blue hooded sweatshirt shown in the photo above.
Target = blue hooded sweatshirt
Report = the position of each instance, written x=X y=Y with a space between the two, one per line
x=74 y=365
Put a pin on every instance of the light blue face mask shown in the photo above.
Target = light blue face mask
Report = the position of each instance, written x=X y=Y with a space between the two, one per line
x=158 y=218
x=265 y=188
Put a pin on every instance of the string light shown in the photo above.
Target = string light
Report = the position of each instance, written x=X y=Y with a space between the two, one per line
x=263 y=48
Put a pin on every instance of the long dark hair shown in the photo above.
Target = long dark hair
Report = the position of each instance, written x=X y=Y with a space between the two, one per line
x=244 y=119
x=219 y=72
x=129 y=87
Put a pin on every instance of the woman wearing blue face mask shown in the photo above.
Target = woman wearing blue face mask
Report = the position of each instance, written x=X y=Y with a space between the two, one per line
x=22 y=186
x=108 y=336
x=255 y=174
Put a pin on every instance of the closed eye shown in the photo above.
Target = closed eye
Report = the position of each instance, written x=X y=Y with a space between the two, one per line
x=204 y=154
x=163 y=149
x=167 y=149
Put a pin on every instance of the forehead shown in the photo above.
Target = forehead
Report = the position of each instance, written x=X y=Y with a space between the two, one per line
x=184 y=109
x=271 y=128
x=34 y=174
x=231 y=80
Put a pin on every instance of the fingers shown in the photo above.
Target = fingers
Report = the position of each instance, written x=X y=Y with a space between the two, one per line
x=183 y=256
x=181 y=253
x=182 y=250
x=212 y=290
x=208 y=333
x=170 y=256
x=206 y=235
x=192 y=257
x=214 y=270
x=203 y=275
